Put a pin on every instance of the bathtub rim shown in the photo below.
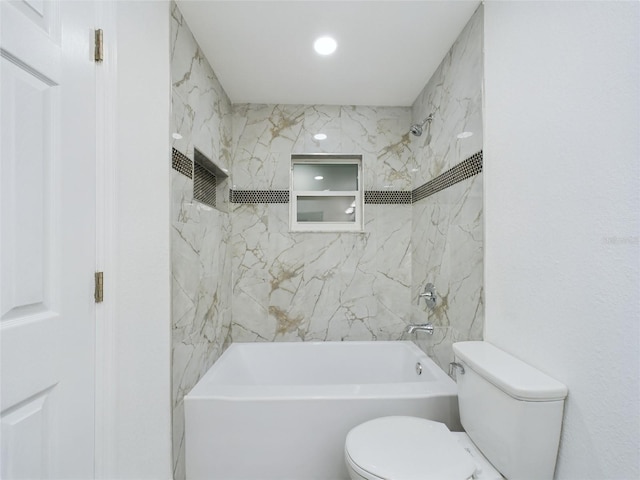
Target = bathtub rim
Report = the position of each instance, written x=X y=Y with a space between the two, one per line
x=278 y=392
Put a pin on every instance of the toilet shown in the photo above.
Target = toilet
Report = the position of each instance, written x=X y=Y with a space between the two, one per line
x=511 y=414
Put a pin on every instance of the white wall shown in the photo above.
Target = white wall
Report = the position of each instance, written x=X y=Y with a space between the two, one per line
x=142 y=289
x=562 y=183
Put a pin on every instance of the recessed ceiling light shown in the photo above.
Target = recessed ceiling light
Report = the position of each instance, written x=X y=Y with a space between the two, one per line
x=325 y=45
x=320 y=136
x=464 y=134
x=318 y=177
x=176 y=135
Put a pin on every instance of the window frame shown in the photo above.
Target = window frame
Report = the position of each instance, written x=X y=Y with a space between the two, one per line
x=326 y=159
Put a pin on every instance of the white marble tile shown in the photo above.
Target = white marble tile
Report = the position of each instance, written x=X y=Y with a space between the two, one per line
x=329 y=286
x=266 y=135
x=263 y=147
x=393 y=150
x=454 y=96
x=393 y=267
x=439 y=345
x=447 y=235
x=263 y=132
x=322 y=119
x=198 y=330
x=200 y=235
x=179 y=469
x=317 y=286
x=359 y=128
x=182 y=118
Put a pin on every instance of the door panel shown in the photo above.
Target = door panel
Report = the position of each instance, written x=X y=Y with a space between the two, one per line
x=27 y=159
x=47 y=239
x=26 y=427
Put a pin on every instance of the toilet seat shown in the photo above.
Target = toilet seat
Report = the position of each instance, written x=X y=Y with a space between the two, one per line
x=406 y=448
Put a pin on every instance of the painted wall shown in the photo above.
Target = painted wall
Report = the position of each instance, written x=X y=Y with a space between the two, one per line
x=562 y=196
x=200 y=253
x=447 y=227
x=139 y=388
x=320 y=286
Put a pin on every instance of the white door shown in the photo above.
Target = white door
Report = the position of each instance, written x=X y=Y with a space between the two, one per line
x=47 y=239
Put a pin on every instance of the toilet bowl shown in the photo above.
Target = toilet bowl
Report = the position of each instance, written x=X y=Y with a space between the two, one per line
x=511 y=411
x=410 y=448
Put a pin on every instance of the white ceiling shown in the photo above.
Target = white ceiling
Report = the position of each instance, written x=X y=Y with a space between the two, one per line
x=262 y=51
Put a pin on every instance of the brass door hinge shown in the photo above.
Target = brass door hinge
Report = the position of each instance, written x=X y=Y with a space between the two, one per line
x=98 y=293
x=98 y=54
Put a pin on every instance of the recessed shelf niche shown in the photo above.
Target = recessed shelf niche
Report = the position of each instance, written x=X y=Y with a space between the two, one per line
x=210 y=184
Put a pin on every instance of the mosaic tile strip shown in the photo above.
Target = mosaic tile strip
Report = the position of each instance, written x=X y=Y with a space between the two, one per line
x=259 y=196
x=204 y=185
x=465 y=169
x=387 y=197
x=181 y=163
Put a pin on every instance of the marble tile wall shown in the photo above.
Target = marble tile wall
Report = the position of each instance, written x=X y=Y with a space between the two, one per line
x=200 y=235
x=320 y=286
x=447 y=227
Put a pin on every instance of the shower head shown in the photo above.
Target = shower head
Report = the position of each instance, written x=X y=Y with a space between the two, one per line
x=416 y=128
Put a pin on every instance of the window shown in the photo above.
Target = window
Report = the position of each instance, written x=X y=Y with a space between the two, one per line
x=326 y=193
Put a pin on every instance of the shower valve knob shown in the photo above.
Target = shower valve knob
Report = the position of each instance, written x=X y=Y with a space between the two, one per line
x=429 y=295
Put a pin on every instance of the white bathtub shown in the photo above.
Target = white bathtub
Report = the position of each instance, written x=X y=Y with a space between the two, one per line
x=282 y=410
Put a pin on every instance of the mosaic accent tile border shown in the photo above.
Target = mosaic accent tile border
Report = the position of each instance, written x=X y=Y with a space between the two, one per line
x=387 y=197
x=181 y=163
x=259 y=196
x=204 y=185
x=465 y=169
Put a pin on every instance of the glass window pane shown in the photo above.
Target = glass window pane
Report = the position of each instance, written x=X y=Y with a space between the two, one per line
x=325 y=177
x=326 y=209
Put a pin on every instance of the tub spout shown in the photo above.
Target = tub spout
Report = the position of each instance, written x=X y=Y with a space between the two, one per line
x=420 y=327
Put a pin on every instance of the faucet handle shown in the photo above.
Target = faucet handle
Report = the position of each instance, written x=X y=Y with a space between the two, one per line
x=429 y=295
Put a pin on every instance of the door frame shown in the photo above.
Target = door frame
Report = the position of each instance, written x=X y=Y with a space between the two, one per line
x=106 y=220
x=133 y=324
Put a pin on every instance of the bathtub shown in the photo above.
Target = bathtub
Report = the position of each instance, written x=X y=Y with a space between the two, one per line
x=282 y=410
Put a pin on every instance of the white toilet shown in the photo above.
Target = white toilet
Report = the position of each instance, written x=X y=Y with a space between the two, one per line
x=511 y=412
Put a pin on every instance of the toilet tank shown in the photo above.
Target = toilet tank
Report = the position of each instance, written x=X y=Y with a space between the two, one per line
x=511 y=411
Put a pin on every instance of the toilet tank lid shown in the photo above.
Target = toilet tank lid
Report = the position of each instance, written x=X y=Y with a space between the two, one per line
x=511 y=375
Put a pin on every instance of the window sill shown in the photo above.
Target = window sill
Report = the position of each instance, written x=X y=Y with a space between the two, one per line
x=328 y=231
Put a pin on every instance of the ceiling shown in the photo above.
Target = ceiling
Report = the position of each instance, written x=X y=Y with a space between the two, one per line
x=262 y=51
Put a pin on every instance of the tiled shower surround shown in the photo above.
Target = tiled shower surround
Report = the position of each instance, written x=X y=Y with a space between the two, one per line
x=320 y=286
x=200 y=235
x=447 y=227
x=238 y=274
